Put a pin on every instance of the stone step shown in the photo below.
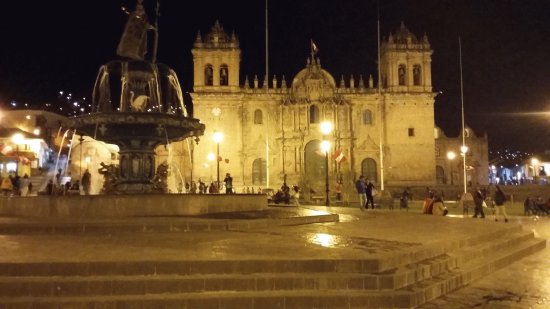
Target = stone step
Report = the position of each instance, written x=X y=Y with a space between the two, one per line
x=168 y=225
x=324 y=297
x=75 y=280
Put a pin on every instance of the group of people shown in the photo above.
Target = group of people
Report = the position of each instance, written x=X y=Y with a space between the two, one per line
x=483 y=198
x=211 y=188
x=434 y=205
x=366 y=191
x=60 y=188
x=536 y=206
x=15 y=185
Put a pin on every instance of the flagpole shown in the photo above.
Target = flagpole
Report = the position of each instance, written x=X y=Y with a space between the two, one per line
x=381 y=133
x=463 y=148
x=266 y=83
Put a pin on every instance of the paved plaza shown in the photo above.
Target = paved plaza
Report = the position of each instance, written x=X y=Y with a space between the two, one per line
x=387 y=237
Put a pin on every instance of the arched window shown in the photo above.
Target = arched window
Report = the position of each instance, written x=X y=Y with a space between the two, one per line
x=224 y=75
x=417 y=75
x=367 y=117
x=259 y=172
x=208 y=75
x=368 y=169
x=313 y=114
x=439 y=174
x=258 y=116
x=402 y=73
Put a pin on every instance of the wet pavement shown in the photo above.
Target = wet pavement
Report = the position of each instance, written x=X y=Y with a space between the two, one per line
x=375 y=234
x=523 y=284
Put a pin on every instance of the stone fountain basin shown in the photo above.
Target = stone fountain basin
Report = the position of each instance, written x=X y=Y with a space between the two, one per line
x=129 y=205
x=114 y=127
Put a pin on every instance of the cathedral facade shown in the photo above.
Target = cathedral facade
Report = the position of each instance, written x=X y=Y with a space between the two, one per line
x=272 y=128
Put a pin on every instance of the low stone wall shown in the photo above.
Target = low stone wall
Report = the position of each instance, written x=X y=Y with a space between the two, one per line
x=86 y=206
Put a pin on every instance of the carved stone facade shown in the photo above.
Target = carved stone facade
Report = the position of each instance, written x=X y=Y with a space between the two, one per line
x=272 y=129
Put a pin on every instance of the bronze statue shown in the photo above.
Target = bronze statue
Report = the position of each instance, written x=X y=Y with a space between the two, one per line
x=133 y=43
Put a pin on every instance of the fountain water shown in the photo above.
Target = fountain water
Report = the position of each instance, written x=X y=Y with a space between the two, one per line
x=137 y=105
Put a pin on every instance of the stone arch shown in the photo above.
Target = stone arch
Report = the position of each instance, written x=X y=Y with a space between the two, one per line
x=258 y=116
x=402 y=75
x=208 y=75
x=369 y=169
x=314 y=161
x=313 y=114
x=224 y=75
x=367 y=117
x=259 y=172
x=439 y=174
x=417 y=75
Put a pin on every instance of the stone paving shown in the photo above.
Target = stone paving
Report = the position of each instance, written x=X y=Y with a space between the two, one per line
x=377 y=234
x=524 y=284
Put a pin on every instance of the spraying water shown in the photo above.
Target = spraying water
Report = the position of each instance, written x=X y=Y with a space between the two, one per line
x=60 y=148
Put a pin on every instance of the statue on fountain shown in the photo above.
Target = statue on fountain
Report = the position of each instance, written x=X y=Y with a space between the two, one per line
x=110 y=175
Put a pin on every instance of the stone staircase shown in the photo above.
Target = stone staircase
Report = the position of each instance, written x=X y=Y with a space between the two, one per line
x=397 y=281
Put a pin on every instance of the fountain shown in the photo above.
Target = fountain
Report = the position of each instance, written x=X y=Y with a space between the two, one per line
x=137 y=104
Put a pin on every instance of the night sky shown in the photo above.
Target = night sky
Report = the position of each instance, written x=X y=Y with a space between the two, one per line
x=49 y=46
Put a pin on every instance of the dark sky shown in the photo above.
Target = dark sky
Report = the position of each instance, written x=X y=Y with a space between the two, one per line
x=48 y=46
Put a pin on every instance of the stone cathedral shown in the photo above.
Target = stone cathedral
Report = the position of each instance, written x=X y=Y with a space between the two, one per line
x=271 y=126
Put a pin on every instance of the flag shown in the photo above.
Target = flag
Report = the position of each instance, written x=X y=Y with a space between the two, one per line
x=338 y=156
x=314 y=49
x=6 y=150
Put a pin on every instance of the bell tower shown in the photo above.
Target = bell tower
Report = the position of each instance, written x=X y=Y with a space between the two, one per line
x=406 y=62
x=216 y=60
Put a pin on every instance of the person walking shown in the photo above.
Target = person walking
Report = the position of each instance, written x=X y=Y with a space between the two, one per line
x=478 y=201
x=499 y=200
x=370 y=194
x=360 y=187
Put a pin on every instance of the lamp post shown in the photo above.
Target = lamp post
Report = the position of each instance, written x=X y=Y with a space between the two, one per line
x=326 y=128
x=463 y=151
x=211 y=157
x=451 y=155
x=17 y=139
x=218 y=138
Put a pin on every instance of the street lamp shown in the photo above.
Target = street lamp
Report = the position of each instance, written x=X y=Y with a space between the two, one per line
x=218 y=138
x=451 y=155
x=326 y=128
x=17 y=139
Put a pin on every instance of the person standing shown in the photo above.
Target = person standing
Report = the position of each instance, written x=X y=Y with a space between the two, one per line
x=499 y=200
x=338 y=190
x=24 y=185
x=478 y=201
x=228 y=181
x=360 y=187
x=86 y=181
x=6 y=186
x=370 y=197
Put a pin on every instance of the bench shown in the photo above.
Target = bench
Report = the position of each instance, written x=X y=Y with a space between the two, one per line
x=318 y=199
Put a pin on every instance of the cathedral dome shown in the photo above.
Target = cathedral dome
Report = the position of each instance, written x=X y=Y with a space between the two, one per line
x=313 y=83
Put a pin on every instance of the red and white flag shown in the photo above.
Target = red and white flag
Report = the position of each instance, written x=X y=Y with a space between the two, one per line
x=314 y=49
x=338 y=156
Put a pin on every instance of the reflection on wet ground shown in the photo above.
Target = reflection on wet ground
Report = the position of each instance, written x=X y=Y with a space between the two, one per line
x=369 y=245
x=271 y=213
